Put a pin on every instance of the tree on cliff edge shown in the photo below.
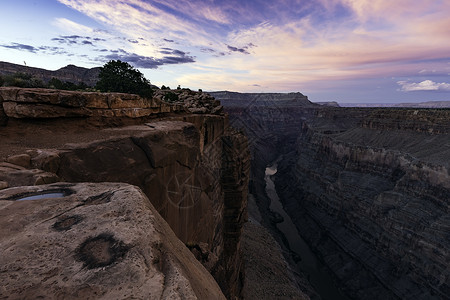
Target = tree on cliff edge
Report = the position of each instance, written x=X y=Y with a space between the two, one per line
x=118 y=76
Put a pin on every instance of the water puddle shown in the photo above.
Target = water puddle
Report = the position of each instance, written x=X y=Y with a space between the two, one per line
x=309 y=264
x=43 y=196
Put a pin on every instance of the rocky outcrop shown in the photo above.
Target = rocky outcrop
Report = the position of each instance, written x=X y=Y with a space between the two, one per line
x=194 y=102
x=192 y=167
x=21 y=103
x=373 y=201
x=93 y=241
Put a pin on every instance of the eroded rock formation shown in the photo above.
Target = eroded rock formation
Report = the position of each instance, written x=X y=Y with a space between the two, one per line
x=192 y=167
x=378 y=194
x=367 y=188
x=93 y=241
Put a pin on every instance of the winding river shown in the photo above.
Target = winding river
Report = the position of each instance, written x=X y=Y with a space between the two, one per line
x=309 y=264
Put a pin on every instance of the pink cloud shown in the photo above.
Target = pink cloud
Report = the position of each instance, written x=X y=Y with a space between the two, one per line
x=426 y=85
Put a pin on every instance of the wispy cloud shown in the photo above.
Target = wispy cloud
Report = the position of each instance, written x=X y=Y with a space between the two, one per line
x=426 y=85
x=40 y=49
x=18 y=46
x=77 y=40
x=71 y=26
x=140 y=61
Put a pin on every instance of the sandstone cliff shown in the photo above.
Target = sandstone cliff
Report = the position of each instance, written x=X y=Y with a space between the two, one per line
x=192 y=167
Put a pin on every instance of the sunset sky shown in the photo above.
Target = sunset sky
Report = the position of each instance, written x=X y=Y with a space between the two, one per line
x=369 y=51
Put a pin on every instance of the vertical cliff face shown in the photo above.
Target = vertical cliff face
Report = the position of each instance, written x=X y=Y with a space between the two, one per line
x=271 y=123
x=192 y=167
x=373 y=200
x=368 y=189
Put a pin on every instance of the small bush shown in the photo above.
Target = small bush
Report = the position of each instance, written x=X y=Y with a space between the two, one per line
x=23 y=80
x=171 y=97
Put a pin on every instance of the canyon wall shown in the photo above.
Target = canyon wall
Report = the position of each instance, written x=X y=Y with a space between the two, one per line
x=271 y=123
x=367 y=188
x=193 y=168
x=373 y=199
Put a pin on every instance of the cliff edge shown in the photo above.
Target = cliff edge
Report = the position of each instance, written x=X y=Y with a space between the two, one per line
x=183 y=156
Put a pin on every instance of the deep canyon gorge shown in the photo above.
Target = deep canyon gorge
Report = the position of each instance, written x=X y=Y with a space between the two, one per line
x=170 y=200
x=368 y=189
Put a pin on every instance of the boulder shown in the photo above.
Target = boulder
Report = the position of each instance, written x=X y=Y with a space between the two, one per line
x=93 y=241
x=15 y=175
x=23 y=160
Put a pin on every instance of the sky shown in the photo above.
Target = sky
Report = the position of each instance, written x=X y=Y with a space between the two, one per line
x=349 y=51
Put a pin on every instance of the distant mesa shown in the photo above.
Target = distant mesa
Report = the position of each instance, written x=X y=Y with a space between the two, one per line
x=426 y=104
x=328 y=103
x=70 y=73
x=236 y=99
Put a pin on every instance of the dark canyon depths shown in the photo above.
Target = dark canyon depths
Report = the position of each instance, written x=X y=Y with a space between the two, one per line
x=120 y=188
x=367 y=188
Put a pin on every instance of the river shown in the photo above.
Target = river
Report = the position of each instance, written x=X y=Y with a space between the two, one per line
x=309 y=264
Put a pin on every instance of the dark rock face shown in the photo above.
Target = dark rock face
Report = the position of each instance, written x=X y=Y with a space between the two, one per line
x=381 y=213
x=368 y=189
x=271 y=123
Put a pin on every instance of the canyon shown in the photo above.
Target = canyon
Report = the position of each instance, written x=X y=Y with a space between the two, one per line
x=367 y=188
x=109 y=195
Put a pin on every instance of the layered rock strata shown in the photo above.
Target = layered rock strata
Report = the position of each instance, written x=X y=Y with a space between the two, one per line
x=192 y=167
x=367 y=188
x=93 y=241
x=373 y=201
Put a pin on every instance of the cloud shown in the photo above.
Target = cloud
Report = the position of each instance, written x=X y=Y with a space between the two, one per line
x=77 y=40
x=426 y=85
x=22 y=47
x=146 y=62
x=71 y=26
x=42 y=49
x=299 y=42
x=235 y=49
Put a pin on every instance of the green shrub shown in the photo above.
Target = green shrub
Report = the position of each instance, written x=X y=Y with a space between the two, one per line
x=55 y=83
x=23 y=80
x=121 y=77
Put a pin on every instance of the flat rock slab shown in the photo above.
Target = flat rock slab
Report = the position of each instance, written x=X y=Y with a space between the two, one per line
x=93 y=241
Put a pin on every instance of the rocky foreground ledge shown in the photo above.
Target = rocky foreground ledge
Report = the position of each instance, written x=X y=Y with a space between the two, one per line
x=184 y=164
x=32 y=103
x=93 y=241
